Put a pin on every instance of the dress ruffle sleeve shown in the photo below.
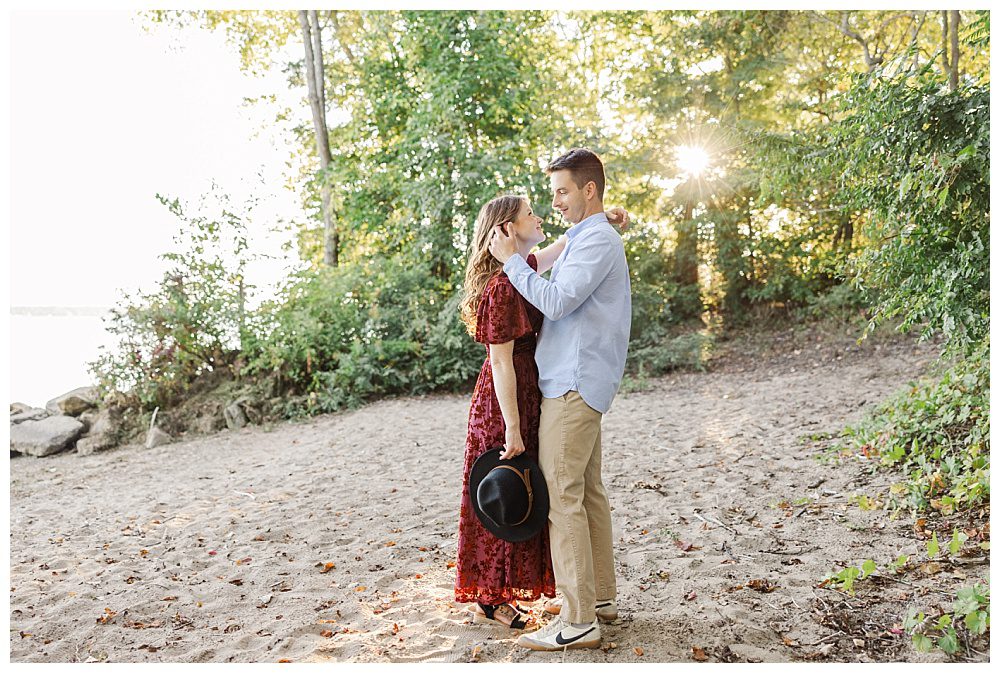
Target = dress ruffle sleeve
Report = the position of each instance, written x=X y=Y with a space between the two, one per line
x=502 y=315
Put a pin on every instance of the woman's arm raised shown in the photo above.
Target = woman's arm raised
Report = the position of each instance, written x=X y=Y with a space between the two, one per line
x=547 y=256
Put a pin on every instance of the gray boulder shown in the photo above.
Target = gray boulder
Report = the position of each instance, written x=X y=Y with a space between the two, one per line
x=156 y=437
x=100 y=431
x=18 y=407
x=44 y=436
x=236 y=416
x=75 y=402
x=28 y=414
x=86 y=446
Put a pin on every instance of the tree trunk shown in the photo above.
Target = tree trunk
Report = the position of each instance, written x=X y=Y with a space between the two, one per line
x=953 y=71
x=312 y=39
x=944 y=42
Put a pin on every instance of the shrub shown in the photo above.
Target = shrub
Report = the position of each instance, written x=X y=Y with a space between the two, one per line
x=938 y=436
x=191 y=323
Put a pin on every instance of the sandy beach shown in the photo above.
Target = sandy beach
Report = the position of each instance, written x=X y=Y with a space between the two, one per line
x=333 y=539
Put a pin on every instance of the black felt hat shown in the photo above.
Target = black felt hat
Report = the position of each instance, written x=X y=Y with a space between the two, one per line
x=509 y=496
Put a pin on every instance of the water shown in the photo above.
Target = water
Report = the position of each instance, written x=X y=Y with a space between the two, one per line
x=49 y=354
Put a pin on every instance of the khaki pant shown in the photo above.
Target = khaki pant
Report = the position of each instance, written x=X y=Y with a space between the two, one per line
x=569 y=453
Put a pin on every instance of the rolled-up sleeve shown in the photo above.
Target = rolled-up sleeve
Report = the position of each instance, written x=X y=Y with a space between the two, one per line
x=578 y=277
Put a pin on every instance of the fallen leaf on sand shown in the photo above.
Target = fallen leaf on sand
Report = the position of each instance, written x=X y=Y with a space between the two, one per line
x=395 y=628
x=609 y=646
x=638 y=651
x=418 y=576
x=789 y=642
x=169 y=598
x=212 y=552
x=698 y=654
x=476 y=651
x=326 y=634
x=931 y=568
x=762 y=585
x=390 y=543
x=360 y=588
x=327 y=567
x=451 y=564
x=237 y=582
x=284 y=661
x=691 y=596
x=685 y=546
x=422 y=549
x=108 y=615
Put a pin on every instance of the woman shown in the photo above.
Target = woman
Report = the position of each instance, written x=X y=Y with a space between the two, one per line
x=492 y=573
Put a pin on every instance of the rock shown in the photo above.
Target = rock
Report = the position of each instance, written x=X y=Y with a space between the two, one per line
x=100 y=422
x=100 y=435
x=45 y=436
x=236 y=417
x=18 y=407
x=207 y=424
x=88 y=418
x=74 y=402
x=28 y=414
x=86 y=446
x=156 y=437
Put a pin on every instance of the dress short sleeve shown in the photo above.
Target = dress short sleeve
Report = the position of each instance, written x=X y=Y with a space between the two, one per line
x=502 y=315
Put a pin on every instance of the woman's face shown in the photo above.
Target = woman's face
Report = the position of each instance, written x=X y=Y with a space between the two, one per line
x=527 y=226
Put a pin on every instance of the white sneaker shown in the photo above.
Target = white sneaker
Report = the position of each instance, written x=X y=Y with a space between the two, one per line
x=558 y=635
x=607 y=611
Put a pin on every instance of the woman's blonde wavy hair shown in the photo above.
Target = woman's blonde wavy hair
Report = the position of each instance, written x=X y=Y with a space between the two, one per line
x=482 y=265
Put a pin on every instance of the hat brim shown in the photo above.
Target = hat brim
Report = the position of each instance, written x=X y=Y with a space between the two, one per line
x=539 y=515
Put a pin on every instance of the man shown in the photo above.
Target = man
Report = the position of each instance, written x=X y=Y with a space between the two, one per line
x=581 y=357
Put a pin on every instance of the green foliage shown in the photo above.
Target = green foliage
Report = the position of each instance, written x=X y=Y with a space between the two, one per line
x=335 y=337
x=970 y=611
x=192 y=322
x=937 y=435
x=915 y=158
x=844 y=580
x=821 y=172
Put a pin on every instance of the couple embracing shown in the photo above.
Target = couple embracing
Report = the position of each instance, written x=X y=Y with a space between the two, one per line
x=556 y=354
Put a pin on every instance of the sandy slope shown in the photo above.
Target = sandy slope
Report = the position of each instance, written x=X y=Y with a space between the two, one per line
x=214 y=549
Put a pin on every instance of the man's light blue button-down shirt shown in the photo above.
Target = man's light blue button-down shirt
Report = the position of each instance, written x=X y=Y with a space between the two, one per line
x=587 y=304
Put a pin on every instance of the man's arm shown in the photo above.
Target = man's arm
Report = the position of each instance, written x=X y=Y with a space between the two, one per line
x=588 y=263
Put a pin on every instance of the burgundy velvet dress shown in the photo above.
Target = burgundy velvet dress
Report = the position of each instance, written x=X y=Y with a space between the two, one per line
x=490 y=570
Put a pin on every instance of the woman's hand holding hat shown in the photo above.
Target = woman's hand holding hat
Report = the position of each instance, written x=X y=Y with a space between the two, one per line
x=513 y=444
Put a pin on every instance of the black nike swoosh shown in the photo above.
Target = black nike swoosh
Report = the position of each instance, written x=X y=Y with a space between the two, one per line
x=602 y=605
x=563 y=641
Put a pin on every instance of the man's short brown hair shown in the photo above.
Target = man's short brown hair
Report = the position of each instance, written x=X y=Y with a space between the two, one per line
x=583 y=165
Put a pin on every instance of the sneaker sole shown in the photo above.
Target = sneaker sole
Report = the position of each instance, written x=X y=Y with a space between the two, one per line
x=544 y=647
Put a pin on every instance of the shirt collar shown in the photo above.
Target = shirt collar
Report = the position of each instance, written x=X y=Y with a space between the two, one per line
x=586 y=223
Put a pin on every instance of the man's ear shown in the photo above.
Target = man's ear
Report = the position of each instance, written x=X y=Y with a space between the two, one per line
x=590 y=190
